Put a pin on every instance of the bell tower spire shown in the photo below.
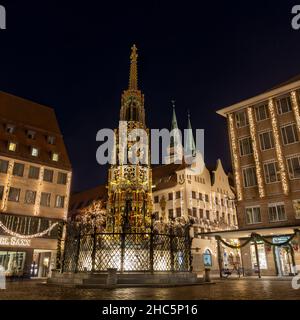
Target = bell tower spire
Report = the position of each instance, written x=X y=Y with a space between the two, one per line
x=133 y=76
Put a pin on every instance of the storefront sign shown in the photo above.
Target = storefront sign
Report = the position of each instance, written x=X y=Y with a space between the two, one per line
x=14 y=242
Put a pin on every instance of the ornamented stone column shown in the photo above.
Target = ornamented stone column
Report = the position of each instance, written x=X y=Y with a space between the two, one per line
x=256 y=153
x=278 y=147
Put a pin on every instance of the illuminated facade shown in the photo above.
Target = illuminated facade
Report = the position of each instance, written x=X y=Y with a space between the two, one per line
x=265 y=149
x=35 y=179
x=129 y=202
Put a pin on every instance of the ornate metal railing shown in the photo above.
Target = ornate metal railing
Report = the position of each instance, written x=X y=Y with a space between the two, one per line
x=87 y=250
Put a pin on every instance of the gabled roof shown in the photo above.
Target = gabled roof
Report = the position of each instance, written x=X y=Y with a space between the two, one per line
x=27 y=115
x=84 y=198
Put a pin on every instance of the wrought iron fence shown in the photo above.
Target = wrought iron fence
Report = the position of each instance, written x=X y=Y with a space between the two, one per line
x=88 y=250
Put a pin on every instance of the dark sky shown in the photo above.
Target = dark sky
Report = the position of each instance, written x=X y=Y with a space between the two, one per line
x=204 y=54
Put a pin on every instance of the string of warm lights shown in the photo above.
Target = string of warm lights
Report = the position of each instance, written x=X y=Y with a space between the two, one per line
x=32 y=236
x=39 y=193
x=296 y=109
x=69 y=178
x=235 y=158
x=7 y=185
x=282 y=170
x=261 y=189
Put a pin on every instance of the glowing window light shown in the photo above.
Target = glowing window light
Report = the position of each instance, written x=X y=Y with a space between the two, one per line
x=12 y=146
x=7 y=185
x=258 y=168
x=34 y=152
x=235 y=158
x=282 y=170
x=55 y=156
x=296 y=109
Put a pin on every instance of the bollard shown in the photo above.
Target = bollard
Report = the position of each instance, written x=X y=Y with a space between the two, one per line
x=207 y=275
x=111 y=277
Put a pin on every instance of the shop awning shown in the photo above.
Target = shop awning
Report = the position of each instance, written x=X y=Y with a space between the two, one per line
x=246 y=233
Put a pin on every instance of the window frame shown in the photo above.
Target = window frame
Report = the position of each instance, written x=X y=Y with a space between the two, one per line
x=284 y=134
x=252 y=215
x=262 y=141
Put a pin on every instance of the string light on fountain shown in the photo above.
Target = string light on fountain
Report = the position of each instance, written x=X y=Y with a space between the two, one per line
x=282 y=170
x=258 y=168
x=235 y=158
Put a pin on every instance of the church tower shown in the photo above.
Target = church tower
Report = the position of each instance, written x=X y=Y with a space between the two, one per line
x=129 y=203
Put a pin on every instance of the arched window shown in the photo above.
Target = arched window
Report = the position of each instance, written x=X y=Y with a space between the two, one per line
x=207 y=258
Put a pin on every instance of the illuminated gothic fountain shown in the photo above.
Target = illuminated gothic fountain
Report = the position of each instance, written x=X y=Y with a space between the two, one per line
x=123 y=237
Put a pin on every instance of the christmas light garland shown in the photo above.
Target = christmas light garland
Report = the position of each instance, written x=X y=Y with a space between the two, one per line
x=7 y=185
x=296 y=109
x=258 y=168
x=235 y=158
x=32 y=236
x=283 y=175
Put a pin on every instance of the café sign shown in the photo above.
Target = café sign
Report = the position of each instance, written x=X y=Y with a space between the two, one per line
x=14 y=242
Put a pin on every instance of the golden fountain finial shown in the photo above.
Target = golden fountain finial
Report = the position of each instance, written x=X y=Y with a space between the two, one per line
x=133 y=68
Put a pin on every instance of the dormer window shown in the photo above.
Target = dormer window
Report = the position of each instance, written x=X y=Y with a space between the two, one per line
x=12 y=146
x=10 y=128
x=34 y=152
x=51 y=140
x=31 y=134
x=54 y=156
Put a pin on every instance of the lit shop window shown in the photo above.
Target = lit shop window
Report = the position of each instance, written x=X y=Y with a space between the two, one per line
x=34 y=152
x=261 y=256
x=55 y=157
x=12 y=146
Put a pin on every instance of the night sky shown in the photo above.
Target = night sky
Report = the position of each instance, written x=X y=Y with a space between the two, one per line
x=75 y=58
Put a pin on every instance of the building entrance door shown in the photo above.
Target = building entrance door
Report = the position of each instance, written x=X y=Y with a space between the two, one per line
x=283 y=261
x=41 y=263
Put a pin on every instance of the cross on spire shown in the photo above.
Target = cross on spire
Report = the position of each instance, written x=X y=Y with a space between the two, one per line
x=133 y=77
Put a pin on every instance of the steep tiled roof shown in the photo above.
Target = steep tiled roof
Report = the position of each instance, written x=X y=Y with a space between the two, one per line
x=82 y=199
x=26 y=115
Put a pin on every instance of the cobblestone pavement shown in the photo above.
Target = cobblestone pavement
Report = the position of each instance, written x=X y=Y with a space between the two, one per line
x=226 y=289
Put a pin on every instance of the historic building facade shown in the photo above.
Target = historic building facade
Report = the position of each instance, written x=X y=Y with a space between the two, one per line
x=264 y=134
x=206 y=198
x=35 y=178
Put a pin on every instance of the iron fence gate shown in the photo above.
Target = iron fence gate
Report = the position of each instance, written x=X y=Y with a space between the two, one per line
x=86 y=249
